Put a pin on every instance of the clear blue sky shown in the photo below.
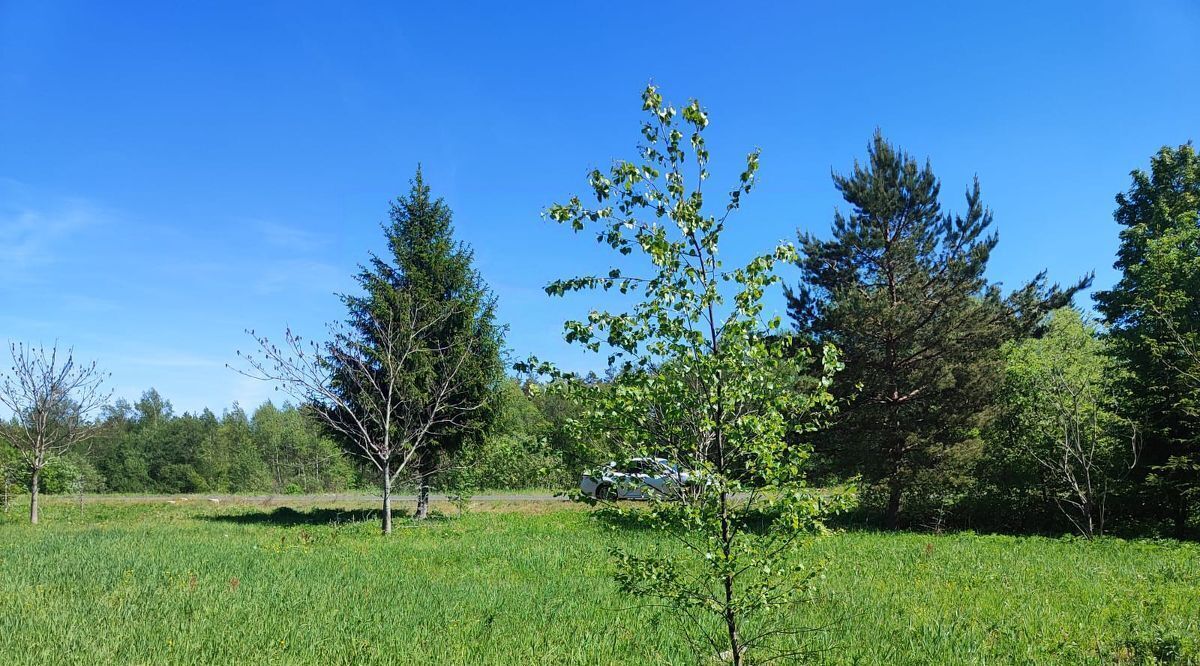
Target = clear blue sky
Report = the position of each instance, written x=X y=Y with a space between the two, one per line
x=174 y=173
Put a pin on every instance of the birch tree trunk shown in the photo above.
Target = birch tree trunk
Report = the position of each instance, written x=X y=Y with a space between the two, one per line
x=33 y=496
x=387 y=498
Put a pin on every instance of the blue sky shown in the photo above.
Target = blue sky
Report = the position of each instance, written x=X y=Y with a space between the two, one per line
x=174 y=173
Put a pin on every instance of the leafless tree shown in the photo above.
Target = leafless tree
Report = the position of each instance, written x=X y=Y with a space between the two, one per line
x=361 y=387
x=53 y=400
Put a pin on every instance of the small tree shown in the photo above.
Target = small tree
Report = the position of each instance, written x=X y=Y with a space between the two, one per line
x=426 y=271
x=704 y=382
x=1058 y=408
x=357 y=386
x=53 y=401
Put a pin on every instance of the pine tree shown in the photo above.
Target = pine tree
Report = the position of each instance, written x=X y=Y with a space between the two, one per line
x=430 y=277
x=901 y=290
x=1154 y=315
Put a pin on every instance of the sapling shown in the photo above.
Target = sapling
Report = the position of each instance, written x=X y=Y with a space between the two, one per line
x=703 y=378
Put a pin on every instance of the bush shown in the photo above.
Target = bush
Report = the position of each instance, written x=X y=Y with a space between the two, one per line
x=59 y=476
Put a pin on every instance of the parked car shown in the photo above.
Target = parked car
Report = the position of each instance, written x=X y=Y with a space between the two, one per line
x=636 y=479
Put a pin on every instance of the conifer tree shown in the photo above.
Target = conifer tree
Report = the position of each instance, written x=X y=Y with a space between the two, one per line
x=431 y=275
x=410 y=376
x=901 y=289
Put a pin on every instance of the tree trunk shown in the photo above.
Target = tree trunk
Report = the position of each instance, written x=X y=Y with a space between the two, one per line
x=735 y=644
x=895 y=458
x=33 y=496
x=892 y=516
x=1180 y=517
x=387 y=499
x=730 y=609
x=424 y=471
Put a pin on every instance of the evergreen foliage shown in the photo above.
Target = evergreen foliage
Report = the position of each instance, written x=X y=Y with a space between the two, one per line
x=901 y=290
x=428 y=291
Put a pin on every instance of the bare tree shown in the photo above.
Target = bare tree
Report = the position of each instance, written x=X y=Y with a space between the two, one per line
x=53 y=400
x=359 y=386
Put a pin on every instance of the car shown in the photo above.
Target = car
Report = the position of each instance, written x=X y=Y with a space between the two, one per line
x=637 y=478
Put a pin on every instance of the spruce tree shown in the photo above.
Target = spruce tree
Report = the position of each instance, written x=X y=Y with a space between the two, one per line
x=1154 y=315
x=901 y=290
x=429 y=281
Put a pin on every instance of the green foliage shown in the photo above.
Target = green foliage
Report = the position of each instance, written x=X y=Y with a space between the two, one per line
x=1154 y=314
x=705 y=380
x=147 y=448
x=560 y=412
x=425 y=321
x=901 y=290
x=295 y=453
x=1057 y=442
x=515 y=453
x=62 y=474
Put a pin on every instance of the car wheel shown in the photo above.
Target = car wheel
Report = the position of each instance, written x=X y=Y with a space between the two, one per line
x=604 y=492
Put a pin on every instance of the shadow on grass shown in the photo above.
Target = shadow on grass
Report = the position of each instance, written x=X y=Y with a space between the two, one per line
x=289 y=517
x=757 y=522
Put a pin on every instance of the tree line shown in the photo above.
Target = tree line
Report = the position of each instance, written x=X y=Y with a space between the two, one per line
x=145 y=447
x=968 y=407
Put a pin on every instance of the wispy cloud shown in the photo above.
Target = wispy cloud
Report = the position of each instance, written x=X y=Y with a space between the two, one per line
x=250 y=393
x=287 y=237
x=34 y=227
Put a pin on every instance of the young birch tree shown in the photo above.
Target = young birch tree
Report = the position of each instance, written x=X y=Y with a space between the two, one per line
x=53 y=400
x=703 y=380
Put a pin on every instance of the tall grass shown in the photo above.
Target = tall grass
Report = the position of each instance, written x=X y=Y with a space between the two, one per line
x=197 y=583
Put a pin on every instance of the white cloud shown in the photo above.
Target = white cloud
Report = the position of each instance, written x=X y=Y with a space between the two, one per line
x=32 y=232
x=250 y=393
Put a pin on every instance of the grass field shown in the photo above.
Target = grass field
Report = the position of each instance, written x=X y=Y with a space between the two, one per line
x=529 y=583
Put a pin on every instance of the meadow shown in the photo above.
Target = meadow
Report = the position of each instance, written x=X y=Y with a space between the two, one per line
x=515 y=582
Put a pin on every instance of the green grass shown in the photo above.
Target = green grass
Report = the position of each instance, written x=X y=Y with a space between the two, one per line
x=530 y=584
